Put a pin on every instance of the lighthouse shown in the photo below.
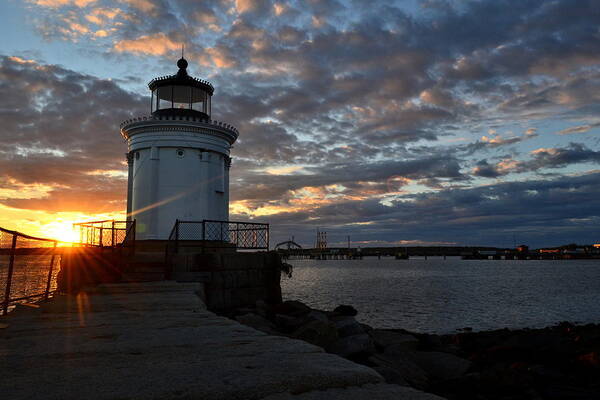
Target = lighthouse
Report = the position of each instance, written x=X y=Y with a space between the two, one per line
x=178 y=157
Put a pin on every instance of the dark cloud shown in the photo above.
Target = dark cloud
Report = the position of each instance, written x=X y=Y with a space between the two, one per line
x=537 y=212
x=575 y=153
x=486 y=170
x=59 y=129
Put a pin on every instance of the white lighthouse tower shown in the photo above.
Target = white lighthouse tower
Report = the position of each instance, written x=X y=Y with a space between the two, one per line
x=178 y=157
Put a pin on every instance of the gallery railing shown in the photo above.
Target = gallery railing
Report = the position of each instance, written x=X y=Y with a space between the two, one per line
x=107 y=233
x=28 y=267
x=215 y=234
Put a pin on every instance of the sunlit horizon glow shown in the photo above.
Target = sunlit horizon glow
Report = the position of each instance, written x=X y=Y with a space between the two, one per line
x=401 y=122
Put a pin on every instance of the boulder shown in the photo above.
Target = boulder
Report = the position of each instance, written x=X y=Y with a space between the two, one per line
x=288 y=323
x=439 y=365
x=319 y=333
x=257 y=322
x=346 y=310
x=317 y=316
x=431 y=342
x=384 y=338
x=354 y=345
x=347 y=326
x=392 y=375
x=292 y=307
x=405 y=370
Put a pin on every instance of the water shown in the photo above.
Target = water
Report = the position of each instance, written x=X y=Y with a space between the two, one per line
x=30 y=275
x=440 y=296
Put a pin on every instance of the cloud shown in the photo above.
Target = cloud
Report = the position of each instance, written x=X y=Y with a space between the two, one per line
x=158 y=44
x=495 y=141
x=53 y=141
x=560 y=157
x=146 y=6
x=62 y=3
x=538 y=212
x=501 y=168
x=578 y=129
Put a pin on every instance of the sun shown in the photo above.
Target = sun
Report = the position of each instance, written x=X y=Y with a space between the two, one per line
x=60 y=230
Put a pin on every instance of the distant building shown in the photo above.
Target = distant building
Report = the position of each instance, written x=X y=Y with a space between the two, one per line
x=522 y=248
x=549 y=251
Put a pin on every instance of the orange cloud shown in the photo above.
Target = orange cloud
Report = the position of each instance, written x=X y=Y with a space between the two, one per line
x=20 y=60
x=243 y=6
x=279 y=8
x=146 y=6
x=508 y=165
x=61 y=3
x=545 y=150
x=220 y=57
x=157 y=44
x=318 y=22
x=101 y=16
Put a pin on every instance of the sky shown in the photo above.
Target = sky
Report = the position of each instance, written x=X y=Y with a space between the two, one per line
x=393 y=122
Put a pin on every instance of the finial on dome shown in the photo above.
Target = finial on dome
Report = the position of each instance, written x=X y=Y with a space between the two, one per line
x=182 y=63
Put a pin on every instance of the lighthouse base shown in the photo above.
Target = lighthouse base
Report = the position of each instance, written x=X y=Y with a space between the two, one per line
x=232 y=280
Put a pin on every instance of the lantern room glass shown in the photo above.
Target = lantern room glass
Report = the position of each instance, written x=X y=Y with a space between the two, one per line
x=180 y=97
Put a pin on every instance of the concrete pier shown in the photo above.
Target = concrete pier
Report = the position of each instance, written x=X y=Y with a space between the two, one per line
x=158 y=341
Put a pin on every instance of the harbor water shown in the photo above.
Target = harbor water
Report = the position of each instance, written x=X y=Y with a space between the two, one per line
x=441 y=296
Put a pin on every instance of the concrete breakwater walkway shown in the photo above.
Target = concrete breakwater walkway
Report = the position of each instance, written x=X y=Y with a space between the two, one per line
x=158 y=341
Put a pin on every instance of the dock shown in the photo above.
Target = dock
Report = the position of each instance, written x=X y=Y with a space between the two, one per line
x=157 y=340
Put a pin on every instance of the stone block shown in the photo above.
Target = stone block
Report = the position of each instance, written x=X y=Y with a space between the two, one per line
x=206 y=262
x=184 y=276
x=243 y=279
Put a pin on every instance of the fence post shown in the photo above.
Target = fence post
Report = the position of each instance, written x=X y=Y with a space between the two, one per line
x=133 y=240
x=112 y=242
x=203 y=243
x=177 y=236
x=101 y=229
x=11 y=265
x=47 y=293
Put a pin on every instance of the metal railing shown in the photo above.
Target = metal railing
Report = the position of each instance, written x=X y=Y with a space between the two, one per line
x=107 y=233
x=127 y=246
x=215 y=234
x=28 y=267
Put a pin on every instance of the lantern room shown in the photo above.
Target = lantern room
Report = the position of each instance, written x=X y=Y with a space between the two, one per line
x=181 y=94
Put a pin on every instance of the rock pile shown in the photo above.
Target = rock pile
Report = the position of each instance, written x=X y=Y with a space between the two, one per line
x=561 y=362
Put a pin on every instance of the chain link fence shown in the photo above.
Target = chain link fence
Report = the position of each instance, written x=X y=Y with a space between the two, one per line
x=108 y=233
x=211 y=233
x=28 y=268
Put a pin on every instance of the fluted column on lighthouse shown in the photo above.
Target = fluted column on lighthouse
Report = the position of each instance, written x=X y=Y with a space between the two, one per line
x=129 y=185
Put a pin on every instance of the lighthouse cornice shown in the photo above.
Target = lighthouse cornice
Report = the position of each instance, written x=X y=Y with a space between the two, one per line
x=178 y=124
